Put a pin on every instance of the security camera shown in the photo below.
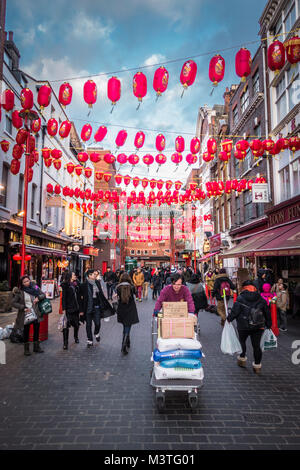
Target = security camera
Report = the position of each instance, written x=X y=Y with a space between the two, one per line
x=37 y=212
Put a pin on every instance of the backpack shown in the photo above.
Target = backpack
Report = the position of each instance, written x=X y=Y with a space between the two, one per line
x=225 y=286
x=256 y=318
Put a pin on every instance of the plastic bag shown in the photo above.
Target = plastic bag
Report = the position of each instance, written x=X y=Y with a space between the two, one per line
x=268 y=340
x=182 y=363
x=162 y=373
x=159 y=356
x=16 y=336
x=229 y=341
x=62 y=323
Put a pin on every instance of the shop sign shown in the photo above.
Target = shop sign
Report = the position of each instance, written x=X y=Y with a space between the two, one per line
x=112 y=253
x=260 y=193
x=91 y=251
x=208 y=228
x=288 y=214
x=215 y=242
x=54 y=201
x=76 y=248
x=48 y=287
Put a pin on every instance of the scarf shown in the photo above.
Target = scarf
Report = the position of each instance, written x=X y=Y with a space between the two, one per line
x=95 y=288
x=34 y=291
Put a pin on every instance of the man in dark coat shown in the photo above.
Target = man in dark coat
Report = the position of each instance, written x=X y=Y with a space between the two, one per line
x=110 y=279
x=250 y=298
x=93 y=305
x=222 y=282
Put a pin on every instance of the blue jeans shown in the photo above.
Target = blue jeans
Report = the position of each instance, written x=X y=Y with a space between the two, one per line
x=110 y=288
x=94 y=316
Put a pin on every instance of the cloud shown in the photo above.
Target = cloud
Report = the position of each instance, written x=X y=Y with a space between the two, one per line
x=85 y=27
x=155 y=59
x=42 y=28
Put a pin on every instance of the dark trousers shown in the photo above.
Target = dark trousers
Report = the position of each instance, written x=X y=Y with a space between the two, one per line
x=93 y=316
x=110 y=288
x=126 y=330
x=255 y=337
x=36 y=331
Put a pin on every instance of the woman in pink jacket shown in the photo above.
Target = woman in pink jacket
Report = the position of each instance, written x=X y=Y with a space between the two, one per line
x=266 y=292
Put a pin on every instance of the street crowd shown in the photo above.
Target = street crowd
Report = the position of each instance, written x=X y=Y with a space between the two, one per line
x=86 y=302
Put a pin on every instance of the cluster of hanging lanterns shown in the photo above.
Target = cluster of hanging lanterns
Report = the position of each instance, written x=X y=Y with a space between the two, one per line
x=217 y=188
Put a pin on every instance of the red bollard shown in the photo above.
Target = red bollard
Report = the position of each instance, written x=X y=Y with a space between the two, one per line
x=206 y=290
x=43 y=335
x=60 y=303
x=274 y=326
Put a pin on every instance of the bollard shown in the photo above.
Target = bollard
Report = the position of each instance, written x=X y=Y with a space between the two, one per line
x=274 y=326
x=43 y=334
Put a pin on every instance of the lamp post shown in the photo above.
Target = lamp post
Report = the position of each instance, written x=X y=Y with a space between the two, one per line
x=28 y=116
x=194 y=232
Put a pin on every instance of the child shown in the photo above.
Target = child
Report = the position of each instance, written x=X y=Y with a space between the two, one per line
x=282 y=302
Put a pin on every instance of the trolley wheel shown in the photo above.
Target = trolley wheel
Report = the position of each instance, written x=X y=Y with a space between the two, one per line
x=193 y=400
x=160 y=401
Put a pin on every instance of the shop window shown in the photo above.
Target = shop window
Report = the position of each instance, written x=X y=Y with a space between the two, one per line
x=8 y=123
x=4 y=182
x=285 y=188
x=20 y=193
x=33 y=196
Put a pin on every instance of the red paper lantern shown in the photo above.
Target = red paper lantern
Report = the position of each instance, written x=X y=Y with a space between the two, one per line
x=160 y=142
x=66 y=191
x=26 y=99
x=216 y=69
x=242 y=145
x=86 y=132
x=139 y=86
x=176 y=158
x=49 y=188
x=159 y=184
x=118 y=179
x=148 y=159
x=4 y=145
x=169 y=184
x=135 y=181
x=36 y=125
x=256 y=147
x=83 y=157
x=99 y=175
x=46 y=153
x=70 y=167
x=224 y=157
x=226 y=146
x=191 y=159
x=211 y=146
x=207 y=157
x=15 y=166
x=160 y=159
x=57 y=164
x=121 y=138
x=44 y=96
x=243 y=63
x=145 y=182
x=8 y=100
x=283 y=143
x=17 y=121
x=18 y=151
x=30 y=173
x=276 y=56
x=100 y=134
x=179 y=144
x=188 y=73
x=195 y=145
x=239 y=154
x=114 y=90
x=178 y=185
x=88 y=172
x=139 y=140
x=78 y=170
x=90 y=93
x=153 y=184
x=292 y=47
x=65 y=94
x=21 y=137
x=65 y=129
x=52 y=127
x=56 y=154
x=268 y=145
x=294 y=144
x=127 y=180
x=109 y=158
x=107 y=177
x=78 y=206
x=160 y=81
x=48 y=162
x=31 y=143
x=122 y=158
x=133 y=159
x=95 y=157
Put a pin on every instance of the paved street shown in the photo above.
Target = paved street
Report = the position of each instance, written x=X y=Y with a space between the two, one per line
x=97 y=399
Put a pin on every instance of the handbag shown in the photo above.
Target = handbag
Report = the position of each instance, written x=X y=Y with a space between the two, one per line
x=45 y=306
x=30 y=317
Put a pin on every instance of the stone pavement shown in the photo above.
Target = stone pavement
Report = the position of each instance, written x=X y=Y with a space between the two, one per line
x=97 y=399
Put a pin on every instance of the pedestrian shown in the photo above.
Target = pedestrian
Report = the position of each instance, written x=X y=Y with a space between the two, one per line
x=186 y=275
x=126 y=311
x=222 y=286
x=176 y=292
x=266 y=292
x=282 y=305
x=156 y=284
x=275 y=286
x=249 y=300
x=260 y=280
x=138 y=280
x=147 y=279
x=210 y=279
x=25 y=299
x=70 y=305
x=198 y=293
x=93 y=305
x=110 y=279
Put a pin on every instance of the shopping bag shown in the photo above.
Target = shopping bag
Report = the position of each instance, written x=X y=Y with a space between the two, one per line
x=268 y=340
x=62 y=323
x=45 y=307
x=229 y=341
x=30 y=317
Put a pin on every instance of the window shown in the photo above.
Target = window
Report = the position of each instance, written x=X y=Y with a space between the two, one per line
x=235 y=115
x=292 y=87
x=255 y=82
x=257 y=130
x=285 y=188
x=145 y=252
x=295 y=177
x=237 y=168
x=62 y=220
x=237 y=211
x=8 y=122
x=138 y=252
x=260 y=210
x=132 y=252
x=248 y=205
x=154 y=252
x=33 y=196
x=20 y=193
x=7 y=59
x=247 y=161
x=290 y=16
x=245 y=100
x=281 y=100
x=4 y=182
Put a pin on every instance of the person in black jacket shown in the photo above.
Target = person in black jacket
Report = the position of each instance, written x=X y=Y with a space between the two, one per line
x=126 y=311
x=198 y=293
x=250 y=298
x=110 y=279
x=70 y=305
x=222 y=282
x=93 y=305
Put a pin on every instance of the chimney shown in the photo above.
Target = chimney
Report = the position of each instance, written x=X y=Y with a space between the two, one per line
x=12 y=50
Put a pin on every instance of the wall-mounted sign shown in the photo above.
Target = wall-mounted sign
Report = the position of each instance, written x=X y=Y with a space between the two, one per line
x=76 y=248
x=260 y=193
x=215 y=242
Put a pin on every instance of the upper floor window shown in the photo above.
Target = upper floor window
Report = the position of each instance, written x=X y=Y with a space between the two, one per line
x=235 y=115
x=8 y=122
x=4 y=182
x=289 y=16
x=285 y=186
x=245 y=100
x=255 y=82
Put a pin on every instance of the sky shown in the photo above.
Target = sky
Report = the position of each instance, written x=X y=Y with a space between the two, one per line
x=60 y=40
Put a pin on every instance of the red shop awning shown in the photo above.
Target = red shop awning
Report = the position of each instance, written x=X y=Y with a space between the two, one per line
x=208 y=256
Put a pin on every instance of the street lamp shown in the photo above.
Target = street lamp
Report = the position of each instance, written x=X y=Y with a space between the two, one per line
x=28 y=116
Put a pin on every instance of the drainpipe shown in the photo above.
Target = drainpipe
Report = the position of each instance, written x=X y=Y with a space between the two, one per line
x=264 y=46
x=42 y=175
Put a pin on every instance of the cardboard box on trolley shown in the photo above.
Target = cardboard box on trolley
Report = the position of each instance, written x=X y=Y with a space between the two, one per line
x=175 y=309
x=176 y=328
